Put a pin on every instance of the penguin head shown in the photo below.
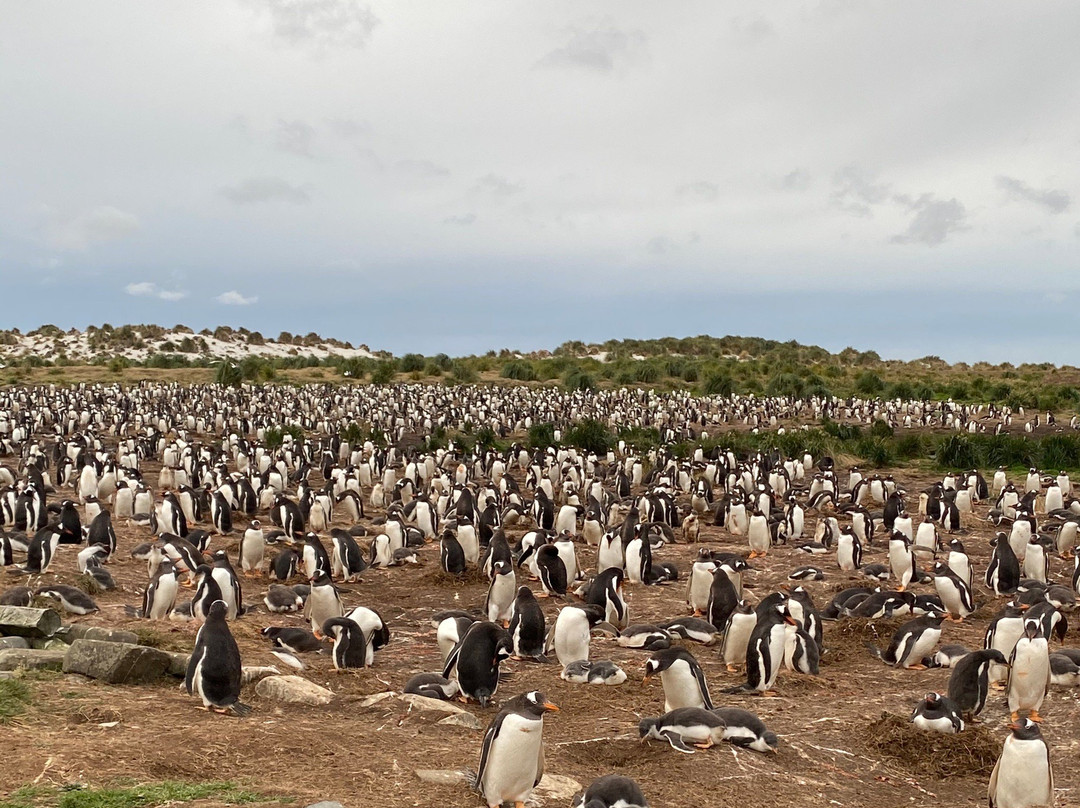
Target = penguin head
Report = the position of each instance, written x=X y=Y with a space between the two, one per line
x=1026 y=730
x=536 y=703
x=1032 y=629
x=647 y=727
x=218 y=610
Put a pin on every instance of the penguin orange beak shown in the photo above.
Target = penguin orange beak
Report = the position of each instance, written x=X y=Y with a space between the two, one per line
x=319 y=635
x=791 y=621
x=551 y=708
x=1014 y=725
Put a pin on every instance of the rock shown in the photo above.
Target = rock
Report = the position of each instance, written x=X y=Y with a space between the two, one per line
x=13 y=642
x=6 y=675
x=325 y=804
x=31 y=659
x=557 y=789
x=371 y=701
x=467 y=720
x=294 y=690
x=177 y=663
x=116 y=662
x=51 y=644
x=253 y=673
x=424 y=703
x=78 y=631
x=442 y=777
x=22 y=621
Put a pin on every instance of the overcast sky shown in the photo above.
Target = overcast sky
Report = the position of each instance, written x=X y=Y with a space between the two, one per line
x=464 y=176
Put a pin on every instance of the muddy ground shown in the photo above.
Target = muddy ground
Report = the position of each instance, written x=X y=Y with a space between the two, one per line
x=831 y=750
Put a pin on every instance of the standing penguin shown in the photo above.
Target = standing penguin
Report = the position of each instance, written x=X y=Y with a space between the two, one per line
x=848 y=550
x=699 y=582
x=638 y=557
x=606 y=591
x=959 y=562
x=1036 y=561
x=1003 y=571
x=213 y=671
x=252 y=549
x=323 y=602
x=451 y=554
x=573 y=629
x=737 y=633
x=474 y=661
x=552 y=571
x=901 y=559
x=1022 y=776
x=500 y=596
x=682 y=678
x=765 y=651
x=954 y=592
x=512 y=755
x=160 y=595
x=1029 y=672
x=758 y=535
x=207 y=592
x=527 y=628
x=969 y=682
x=350 y=645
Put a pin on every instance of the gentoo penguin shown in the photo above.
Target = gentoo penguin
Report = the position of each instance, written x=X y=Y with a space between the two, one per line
x=16 y=596
x=765 y=651
x=573 y=630
x=737 y=632
x=912 y=642
x=947 y=656
x=41 y=550
x=207 y=592
x=801 y=651
x=71 y=599
x=723 y=598
x=294 y=640
x=848 y=550
x=431 y=685
x=280 y=598
x=699 y=582
x=807 y=574
x=901 y=560
x=606 y=591
x=682 y=678
x=969 y=682
x=564 y=544
x=612 y=791
x=1022 y=776
x=213 y=671
x=604 y=672
x=1001 y=635
x=758 y=535
x=645 y=636
x=350 y=645
x=936 y=713
x=552 y=571
x=323 y=602
x=101 y=533
x=160 y=595
x=285 y=565
x=685 y=727
x=1064 y=672
x=221 y=513
x=501 y=593
x=743 y=728
x=451 y=555
x=252 y=549
x=954 y=592
x=692 y=628
x=1029 y=672
x=638 y=557
x=959 y=562
x=512 y=755
x=474 y=662
x=227 y=579
x=376 y=631
x=1003 y=571
x=346 y=558
x=527 y=628
x=1036 y=561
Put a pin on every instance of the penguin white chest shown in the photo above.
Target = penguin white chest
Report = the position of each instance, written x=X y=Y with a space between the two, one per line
x=681 y=688
x=513 y=761
x=1022 y=775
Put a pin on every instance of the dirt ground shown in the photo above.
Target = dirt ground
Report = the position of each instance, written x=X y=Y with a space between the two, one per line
x=366 y=756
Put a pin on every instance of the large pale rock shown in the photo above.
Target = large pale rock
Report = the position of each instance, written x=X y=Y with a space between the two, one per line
x=442 y=777
x=78 y=631
x=436 y=705
x=14 y=642
x=31 y=659
x=22 y=621
x=116 y=662
x=467 y=720
x=293 y=690
x=556 y=789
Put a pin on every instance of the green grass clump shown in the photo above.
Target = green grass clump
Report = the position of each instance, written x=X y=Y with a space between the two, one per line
x=14 y=696
x=168 y=792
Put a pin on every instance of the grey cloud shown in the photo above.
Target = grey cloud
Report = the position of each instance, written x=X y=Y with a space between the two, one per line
x=463 y=220
x=855 y=190
x=934 y=221
x=601 y=48
x=421 y=169
x=1056 y=201
x=753 y=30
x=797 y=180
x=89 y=227
x=147 y=289
x=295 y=137
x=265 y=189
x=661 y=245
x=319 y=24
x=349 y=128
x=703 y=189
x=495 y=185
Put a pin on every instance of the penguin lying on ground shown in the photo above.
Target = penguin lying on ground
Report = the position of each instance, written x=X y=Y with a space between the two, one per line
x=937 y=713
x=611 y=791
x=602 y=672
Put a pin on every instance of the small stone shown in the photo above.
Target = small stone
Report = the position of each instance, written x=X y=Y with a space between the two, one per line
x=467 y=720
x=442 y=777
x=325 y=804
x=424 y=703
x=371 y=701
x=115 y=662
x=13 y=642
x=557 y=788
x=253 y=673
x=31 y=659
x=294 y=690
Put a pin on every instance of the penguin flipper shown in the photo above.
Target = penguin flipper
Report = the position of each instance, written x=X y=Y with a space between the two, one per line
x=240 y=710
x=676 y=741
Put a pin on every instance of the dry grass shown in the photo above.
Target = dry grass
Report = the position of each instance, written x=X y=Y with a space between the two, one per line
x=972 y=752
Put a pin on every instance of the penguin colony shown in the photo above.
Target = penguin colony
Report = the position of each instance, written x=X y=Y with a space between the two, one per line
x=555 y=526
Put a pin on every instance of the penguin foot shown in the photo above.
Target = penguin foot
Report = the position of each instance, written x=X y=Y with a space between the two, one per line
x=698 y=613
x=1034 y=716
x=542 y=595
x=918 y=666
x=1014 y=716
x=705 y=745
x=767 y=693
x=731 y=668
x=997 y=685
